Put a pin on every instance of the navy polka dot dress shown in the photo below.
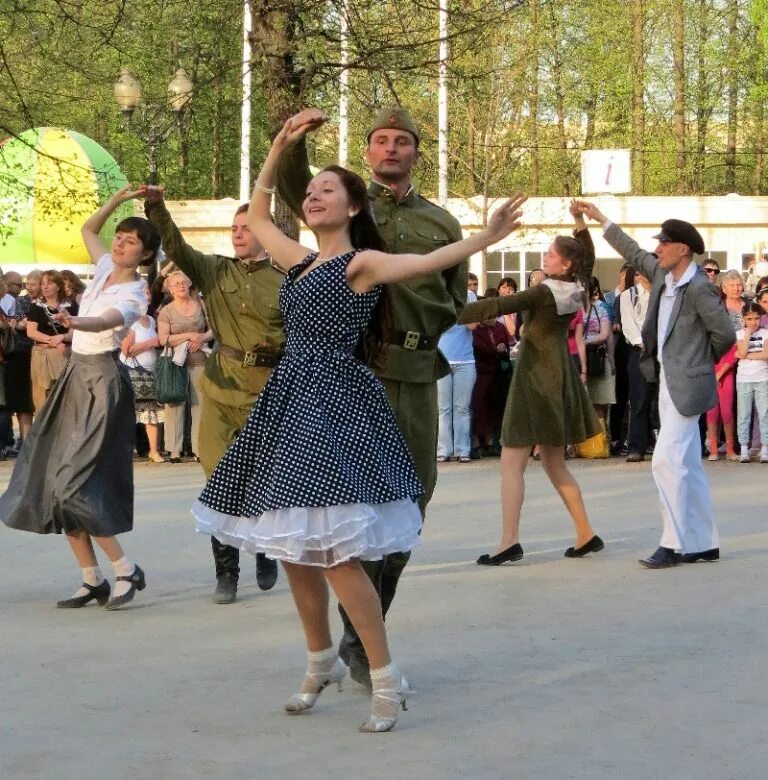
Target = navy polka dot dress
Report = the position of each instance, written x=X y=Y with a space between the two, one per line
x=320 y=473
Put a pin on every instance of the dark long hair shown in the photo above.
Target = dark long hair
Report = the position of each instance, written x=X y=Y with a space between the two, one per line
x=570 y=249
x=364 y=234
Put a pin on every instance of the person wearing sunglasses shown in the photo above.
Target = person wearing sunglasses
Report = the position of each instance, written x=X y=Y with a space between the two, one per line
x=712 y=270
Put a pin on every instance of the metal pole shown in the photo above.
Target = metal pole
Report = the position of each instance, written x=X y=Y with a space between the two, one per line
x=344 y=87
x=245 y=111
x=153 y=143
x=442 y=119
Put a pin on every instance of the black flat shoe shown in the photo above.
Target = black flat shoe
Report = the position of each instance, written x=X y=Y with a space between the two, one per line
x=663 y=558
x=266 y=572
x=705 y=555
x=513 y=553
x=98 y=592
x=595 y=544
x=137 y=583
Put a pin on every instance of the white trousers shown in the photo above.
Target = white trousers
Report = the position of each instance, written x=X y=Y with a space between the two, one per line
x=686 y=505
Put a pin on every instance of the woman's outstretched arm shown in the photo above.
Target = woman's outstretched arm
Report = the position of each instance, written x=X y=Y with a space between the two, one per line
x=284 y=250
x=372 y=268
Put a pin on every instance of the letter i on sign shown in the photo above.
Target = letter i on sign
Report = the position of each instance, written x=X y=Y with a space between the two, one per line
x=608 y=172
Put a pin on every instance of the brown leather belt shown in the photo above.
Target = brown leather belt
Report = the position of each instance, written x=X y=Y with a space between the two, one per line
x=250 y=359
x=413 y=340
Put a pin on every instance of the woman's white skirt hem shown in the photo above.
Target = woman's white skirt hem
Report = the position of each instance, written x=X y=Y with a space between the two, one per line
x=318 y=536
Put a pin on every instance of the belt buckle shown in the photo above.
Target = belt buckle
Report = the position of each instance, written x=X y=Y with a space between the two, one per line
x=411 y=340
x=249 y=360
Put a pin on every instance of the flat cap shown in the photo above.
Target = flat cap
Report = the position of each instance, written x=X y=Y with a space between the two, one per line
x=394 y=118
x=679 y=232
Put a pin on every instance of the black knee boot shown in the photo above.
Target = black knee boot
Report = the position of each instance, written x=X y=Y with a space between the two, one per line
x=227 y=560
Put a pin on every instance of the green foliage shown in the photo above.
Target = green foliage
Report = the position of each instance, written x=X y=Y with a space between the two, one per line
x=532 y=83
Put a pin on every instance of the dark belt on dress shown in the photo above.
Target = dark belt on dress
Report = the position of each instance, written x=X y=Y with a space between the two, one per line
x=250 y=359
x=413 y=340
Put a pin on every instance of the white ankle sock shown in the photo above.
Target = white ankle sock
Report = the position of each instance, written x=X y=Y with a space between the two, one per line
x=321 y=656
x=123 y=568
x=318 y=662
x=384 y=674
x=91 y=576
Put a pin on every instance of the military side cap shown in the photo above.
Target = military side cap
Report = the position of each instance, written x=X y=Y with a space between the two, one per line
x=394 y=118
x=679 y=232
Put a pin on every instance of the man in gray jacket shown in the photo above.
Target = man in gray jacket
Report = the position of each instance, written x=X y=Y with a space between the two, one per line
x=686 y=330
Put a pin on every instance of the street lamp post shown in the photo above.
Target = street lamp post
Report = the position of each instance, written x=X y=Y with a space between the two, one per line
x=128 y=96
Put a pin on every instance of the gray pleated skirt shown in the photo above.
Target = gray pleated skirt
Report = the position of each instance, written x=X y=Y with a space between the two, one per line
x=75 y=470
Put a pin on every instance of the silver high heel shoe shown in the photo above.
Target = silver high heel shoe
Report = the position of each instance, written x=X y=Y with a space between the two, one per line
x=386 y=704
x=317 y=682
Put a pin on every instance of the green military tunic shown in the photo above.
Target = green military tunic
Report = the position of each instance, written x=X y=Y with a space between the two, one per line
x=426 y=305
x=547 y=401
x=242 y=309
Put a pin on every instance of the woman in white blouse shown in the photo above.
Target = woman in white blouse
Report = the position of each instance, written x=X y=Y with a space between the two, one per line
x=75 y=473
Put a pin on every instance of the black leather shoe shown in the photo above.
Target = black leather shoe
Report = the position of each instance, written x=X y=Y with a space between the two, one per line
x=595 y=544
x=98 y=592
x=266 y=572
x=137 y=583
x=226 y=590
x=663 y=558
x=705 y=555
x=635 y=457
x=513 y=553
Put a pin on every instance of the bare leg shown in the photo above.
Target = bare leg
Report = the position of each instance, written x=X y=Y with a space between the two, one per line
x=553 y=460
x=513 y=463
x=152 y=438
x=111 y=547
x=600 y=411
x=310 y=594
x=82 y=547
x=357 y=595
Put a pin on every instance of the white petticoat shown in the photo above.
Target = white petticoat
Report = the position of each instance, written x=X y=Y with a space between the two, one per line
x=318 y=536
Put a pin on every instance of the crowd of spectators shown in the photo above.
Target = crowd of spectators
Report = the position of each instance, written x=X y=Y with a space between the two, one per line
x=622 y=398
x=34 y=348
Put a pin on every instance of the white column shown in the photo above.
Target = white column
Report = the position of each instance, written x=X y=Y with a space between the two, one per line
x=245 y=111
x=344 y=87
x=442 y=118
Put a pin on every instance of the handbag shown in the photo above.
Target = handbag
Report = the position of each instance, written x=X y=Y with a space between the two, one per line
x=142 y=382
x=170 y=379
x=596 y=353
x=595 y=447
x=8 y=338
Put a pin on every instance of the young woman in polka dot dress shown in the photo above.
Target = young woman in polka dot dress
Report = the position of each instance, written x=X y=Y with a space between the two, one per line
x=320 y=477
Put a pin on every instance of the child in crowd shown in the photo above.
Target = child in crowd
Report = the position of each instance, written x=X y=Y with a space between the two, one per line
x=752 y=379
x=762 y=298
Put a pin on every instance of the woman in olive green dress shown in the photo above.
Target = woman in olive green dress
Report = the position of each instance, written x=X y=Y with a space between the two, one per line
x=547 y=403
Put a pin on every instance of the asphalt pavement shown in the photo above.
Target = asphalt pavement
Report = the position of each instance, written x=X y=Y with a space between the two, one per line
x=546 y=668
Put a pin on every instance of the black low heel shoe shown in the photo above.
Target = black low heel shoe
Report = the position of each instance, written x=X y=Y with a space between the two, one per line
x=98 y=592
x=704 y=555
x=595 y=544
x=513 y=553
x=137 y=583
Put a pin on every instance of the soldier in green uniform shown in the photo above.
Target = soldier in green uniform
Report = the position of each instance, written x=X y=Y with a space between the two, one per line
x=422 y=309
x=241 y=305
